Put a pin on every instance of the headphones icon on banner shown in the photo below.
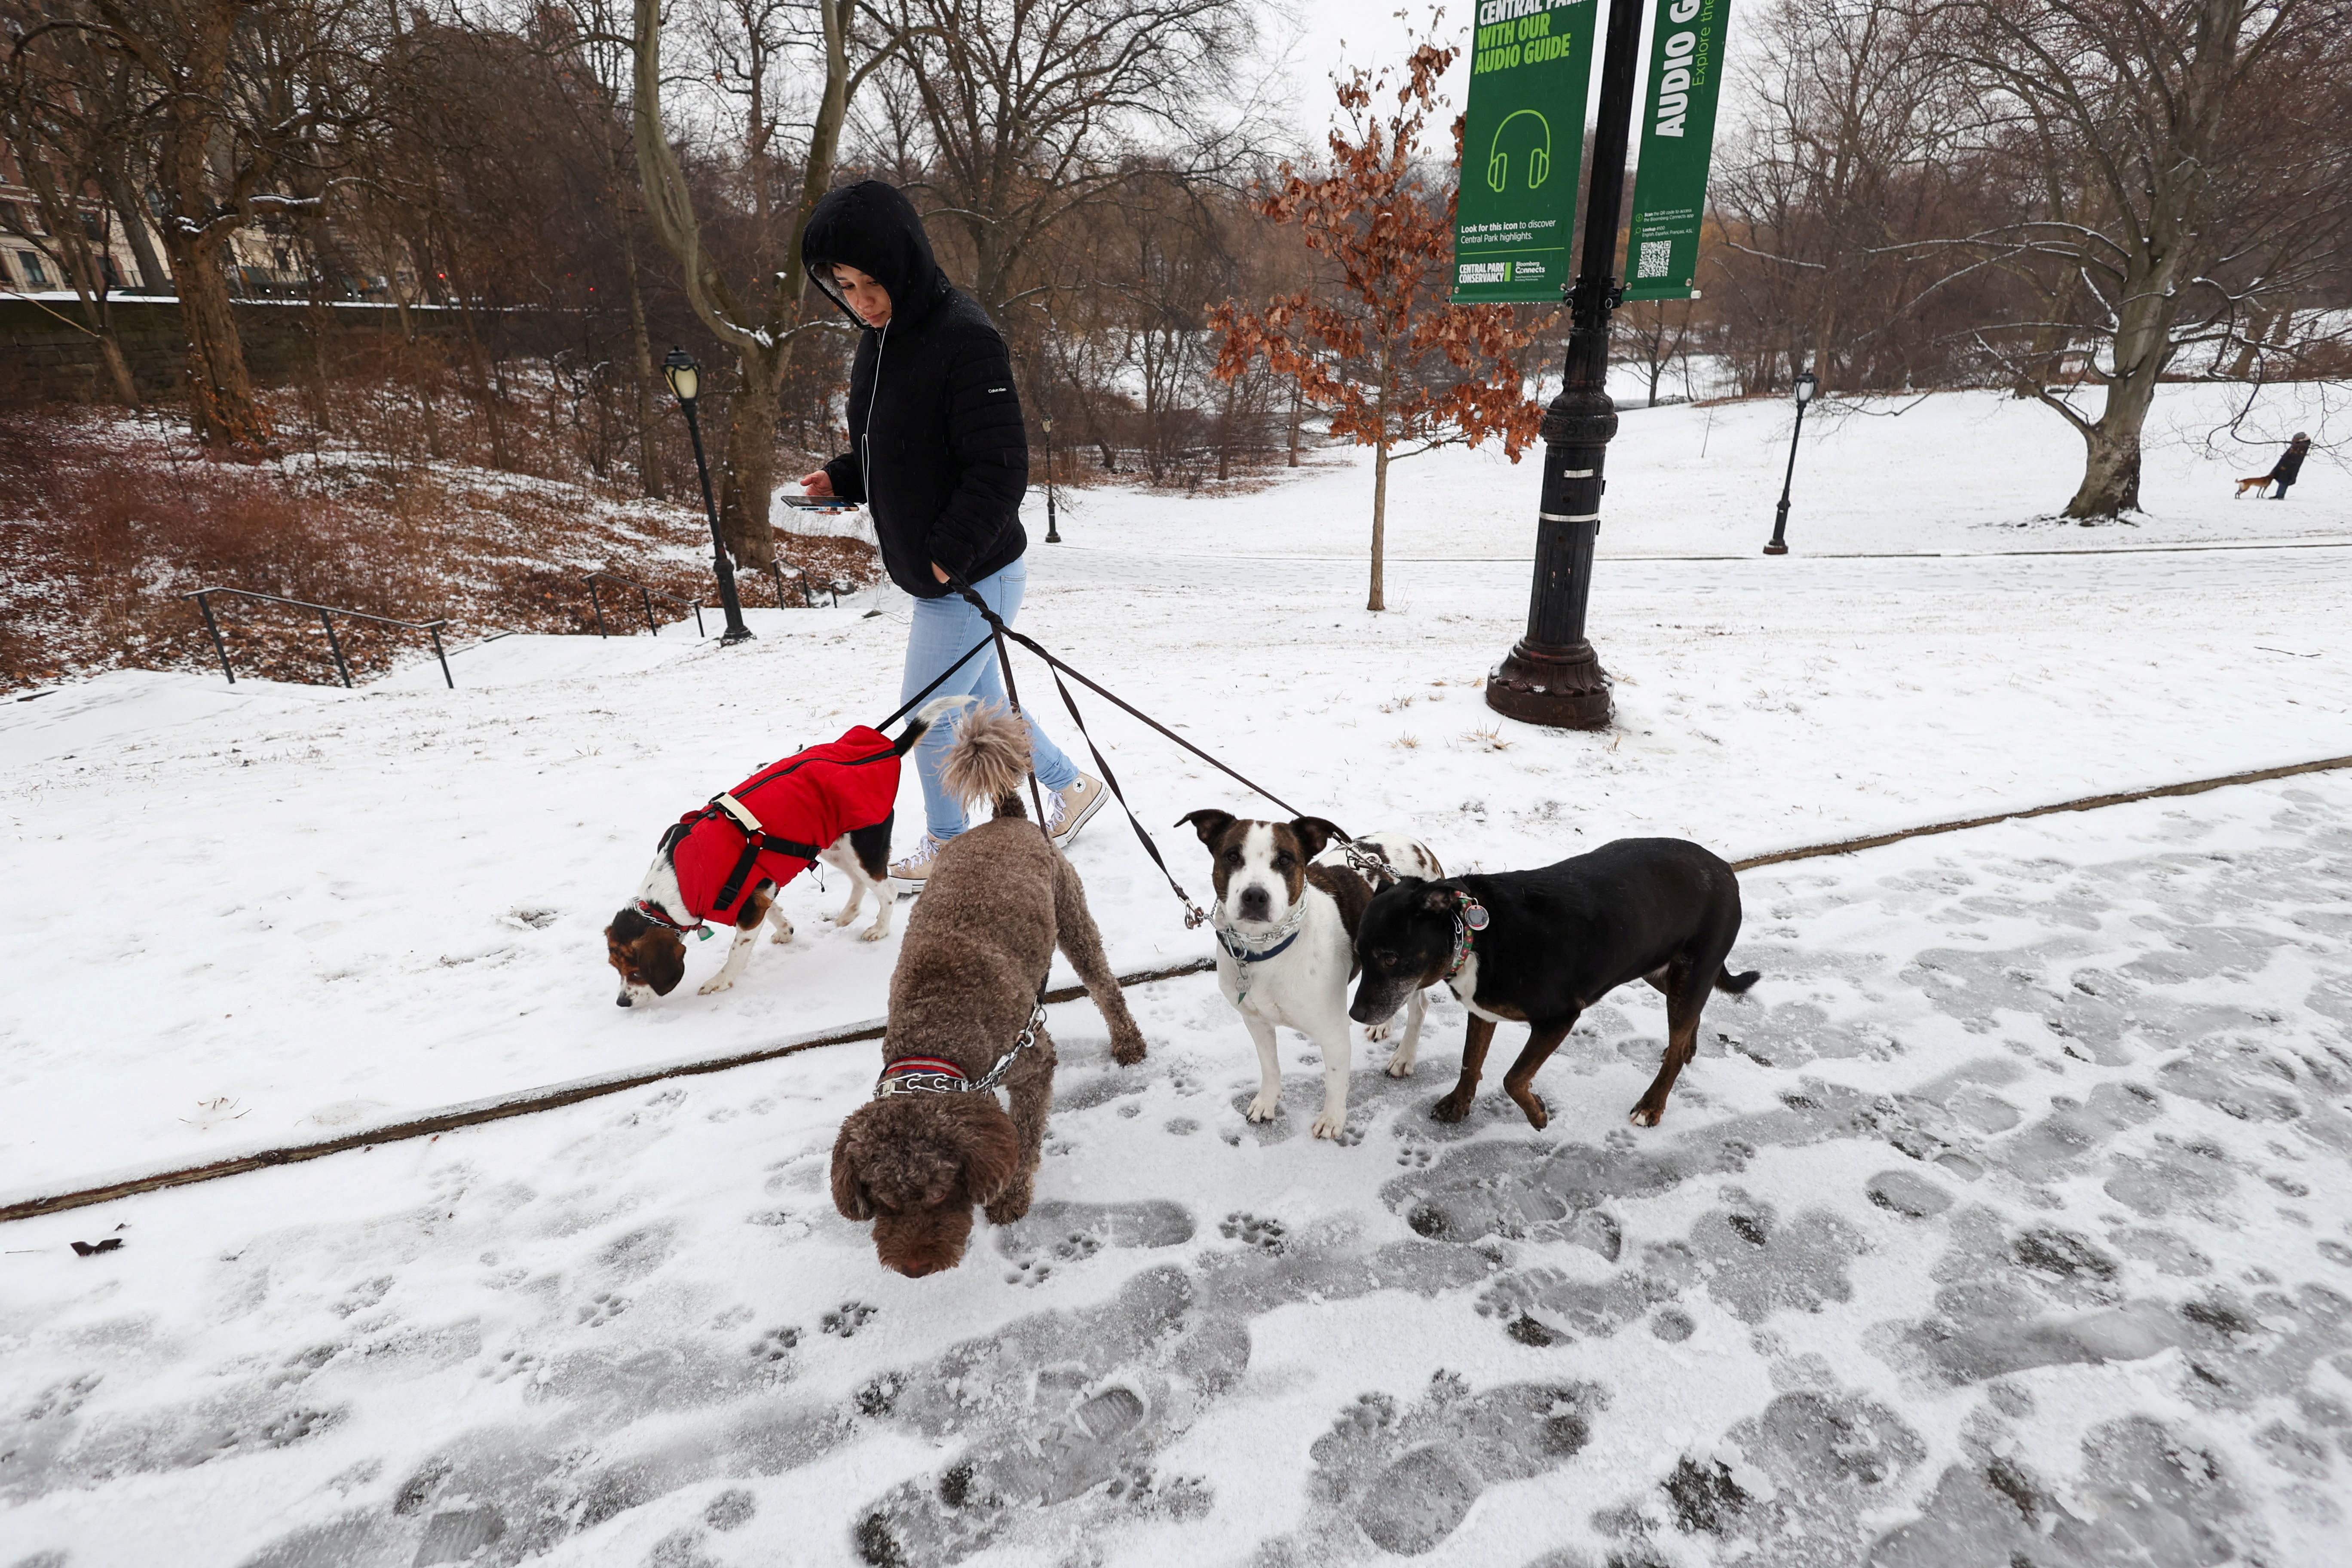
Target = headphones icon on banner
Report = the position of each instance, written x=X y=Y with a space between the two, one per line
x=1498 y=162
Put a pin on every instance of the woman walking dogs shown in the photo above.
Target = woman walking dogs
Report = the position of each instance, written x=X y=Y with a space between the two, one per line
x=938 y=452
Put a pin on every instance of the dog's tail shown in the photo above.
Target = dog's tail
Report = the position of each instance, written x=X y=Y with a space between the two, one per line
x=1736 y=983
x=937 y=709
x=988 y=761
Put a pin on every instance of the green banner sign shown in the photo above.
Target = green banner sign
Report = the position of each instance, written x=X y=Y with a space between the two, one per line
x=1522 y=149
x=1677 y=146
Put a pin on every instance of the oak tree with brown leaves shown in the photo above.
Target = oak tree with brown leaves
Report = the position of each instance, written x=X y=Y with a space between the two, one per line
x=1397 y=368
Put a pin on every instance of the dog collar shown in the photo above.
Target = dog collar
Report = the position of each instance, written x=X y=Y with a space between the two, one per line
x=1469 y=917
x=920 y=1074
x=931 y=1075
x=659 y=916
x=1285 y=934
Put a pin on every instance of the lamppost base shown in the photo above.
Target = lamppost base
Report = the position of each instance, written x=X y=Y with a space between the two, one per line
x=1776 y=548
x=738 y=634
x=1561 y=688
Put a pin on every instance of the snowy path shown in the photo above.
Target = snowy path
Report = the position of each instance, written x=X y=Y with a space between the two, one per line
x=320 y=910
x=2008 y=1217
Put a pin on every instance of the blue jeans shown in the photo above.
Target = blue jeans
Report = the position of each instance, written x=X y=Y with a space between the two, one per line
x=944 y=627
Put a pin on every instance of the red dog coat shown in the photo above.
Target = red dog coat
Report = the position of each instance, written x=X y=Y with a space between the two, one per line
x=799 y=804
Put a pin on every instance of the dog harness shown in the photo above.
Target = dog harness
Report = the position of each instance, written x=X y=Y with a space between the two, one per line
x=935 y=1075
x=1469 y=916
x=773 y=824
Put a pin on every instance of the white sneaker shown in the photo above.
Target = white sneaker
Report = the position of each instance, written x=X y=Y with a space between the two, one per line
x=917 y=865
x=1072 y=807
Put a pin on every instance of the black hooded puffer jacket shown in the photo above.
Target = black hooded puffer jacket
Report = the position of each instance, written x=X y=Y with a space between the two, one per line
x=936 y=445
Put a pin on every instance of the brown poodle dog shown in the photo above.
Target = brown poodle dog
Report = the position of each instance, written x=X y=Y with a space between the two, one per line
x=933 y=1141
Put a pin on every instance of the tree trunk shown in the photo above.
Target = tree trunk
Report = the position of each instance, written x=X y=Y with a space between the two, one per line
x=1296 y=395
x=121 y=189
x=2142 y=348
x=649 y=471
x=220 y=385
x=747 y=482
x=1379 y=600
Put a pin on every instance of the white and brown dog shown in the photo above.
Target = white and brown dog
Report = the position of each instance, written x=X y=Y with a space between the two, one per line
x=722 y=864
x=1288 y=897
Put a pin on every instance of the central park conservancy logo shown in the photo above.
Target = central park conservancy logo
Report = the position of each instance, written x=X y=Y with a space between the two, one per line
x=1499 y=272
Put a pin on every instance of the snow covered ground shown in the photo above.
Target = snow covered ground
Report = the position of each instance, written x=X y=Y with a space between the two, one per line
x=2007 y=1216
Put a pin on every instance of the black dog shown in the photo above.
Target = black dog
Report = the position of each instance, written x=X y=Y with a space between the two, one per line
x=1539 y=947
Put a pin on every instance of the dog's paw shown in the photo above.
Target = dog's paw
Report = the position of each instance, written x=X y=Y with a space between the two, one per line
x=1129 y=1051
x=1645 y=1116
x=782 y=933
x=715 y=985
x=846 y=916
x=1262 y=1108
x=1379 y=1031
x=1538 y=1114
x=1452 y=1108
x=1401 y=1061
x=1013 y=1203
x=1332 y=1123
x=874 y=933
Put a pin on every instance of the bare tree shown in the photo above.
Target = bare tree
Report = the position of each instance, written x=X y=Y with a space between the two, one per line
x=1017 y=112
x=2178 y=170
x=759 y=320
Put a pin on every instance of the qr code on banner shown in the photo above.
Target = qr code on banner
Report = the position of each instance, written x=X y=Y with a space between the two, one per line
x=1655 y=255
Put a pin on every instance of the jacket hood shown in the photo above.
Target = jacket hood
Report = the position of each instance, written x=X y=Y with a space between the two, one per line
x=871 y=227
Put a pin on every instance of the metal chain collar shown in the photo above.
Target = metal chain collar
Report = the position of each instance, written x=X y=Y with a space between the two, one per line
x=946 y=1078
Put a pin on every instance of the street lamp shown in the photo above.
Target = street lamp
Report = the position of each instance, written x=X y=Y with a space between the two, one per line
x=1053 y=530
x=685 y=378
x=1779 y=545
x=1551 y=676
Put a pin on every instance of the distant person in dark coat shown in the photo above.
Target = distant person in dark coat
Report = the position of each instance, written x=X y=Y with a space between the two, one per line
x=940 y=455
x=2290 y=465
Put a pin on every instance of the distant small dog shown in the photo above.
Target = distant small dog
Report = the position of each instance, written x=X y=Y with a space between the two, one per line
x=1539 y=947
x=966 y=1016
x=2254 y=484
x=724 y=863
x=1289 y=900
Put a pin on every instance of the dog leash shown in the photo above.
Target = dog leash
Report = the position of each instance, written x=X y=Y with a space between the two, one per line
x=1370 y=863
x=1194 y=915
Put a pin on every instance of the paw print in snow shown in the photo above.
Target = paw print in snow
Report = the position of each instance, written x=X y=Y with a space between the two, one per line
x=602 y=1309
x=1415 y=1156
x=852 y=1317
x=514 y=1363
x=775 y=1344
x=1031 y=1272
x=1250 y=1231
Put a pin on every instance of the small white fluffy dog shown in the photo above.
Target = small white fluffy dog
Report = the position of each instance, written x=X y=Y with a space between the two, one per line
x=1288 y=902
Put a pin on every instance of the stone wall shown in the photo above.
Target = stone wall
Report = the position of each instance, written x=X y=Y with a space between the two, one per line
x=50 y=357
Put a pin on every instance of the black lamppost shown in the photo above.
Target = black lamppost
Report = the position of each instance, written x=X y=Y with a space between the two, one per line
x=1053 y=529
x=685 y=378
x=1552 y=676
x=1779 y=545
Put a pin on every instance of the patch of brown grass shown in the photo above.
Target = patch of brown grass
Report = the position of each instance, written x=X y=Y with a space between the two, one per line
x=107 y=522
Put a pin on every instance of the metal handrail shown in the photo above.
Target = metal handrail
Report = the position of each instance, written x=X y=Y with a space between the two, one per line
x=327 y=614
x=645 y=596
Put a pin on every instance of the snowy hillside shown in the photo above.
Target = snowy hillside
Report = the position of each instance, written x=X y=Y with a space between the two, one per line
x=2006 y=1219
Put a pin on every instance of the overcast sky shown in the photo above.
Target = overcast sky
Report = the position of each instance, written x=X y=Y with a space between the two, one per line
x=1380 y=32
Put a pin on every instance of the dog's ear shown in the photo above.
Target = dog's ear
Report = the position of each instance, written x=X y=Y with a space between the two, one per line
x=1207 y=823
x=1437 y=898
x=628 y=926
x=991 y=1156
x=1314 y=834
x=848 y=1192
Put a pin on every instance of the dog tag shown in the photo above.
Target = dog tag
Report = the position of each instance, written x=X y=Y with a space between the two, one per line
x=702 y=934
x=1475 y=916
